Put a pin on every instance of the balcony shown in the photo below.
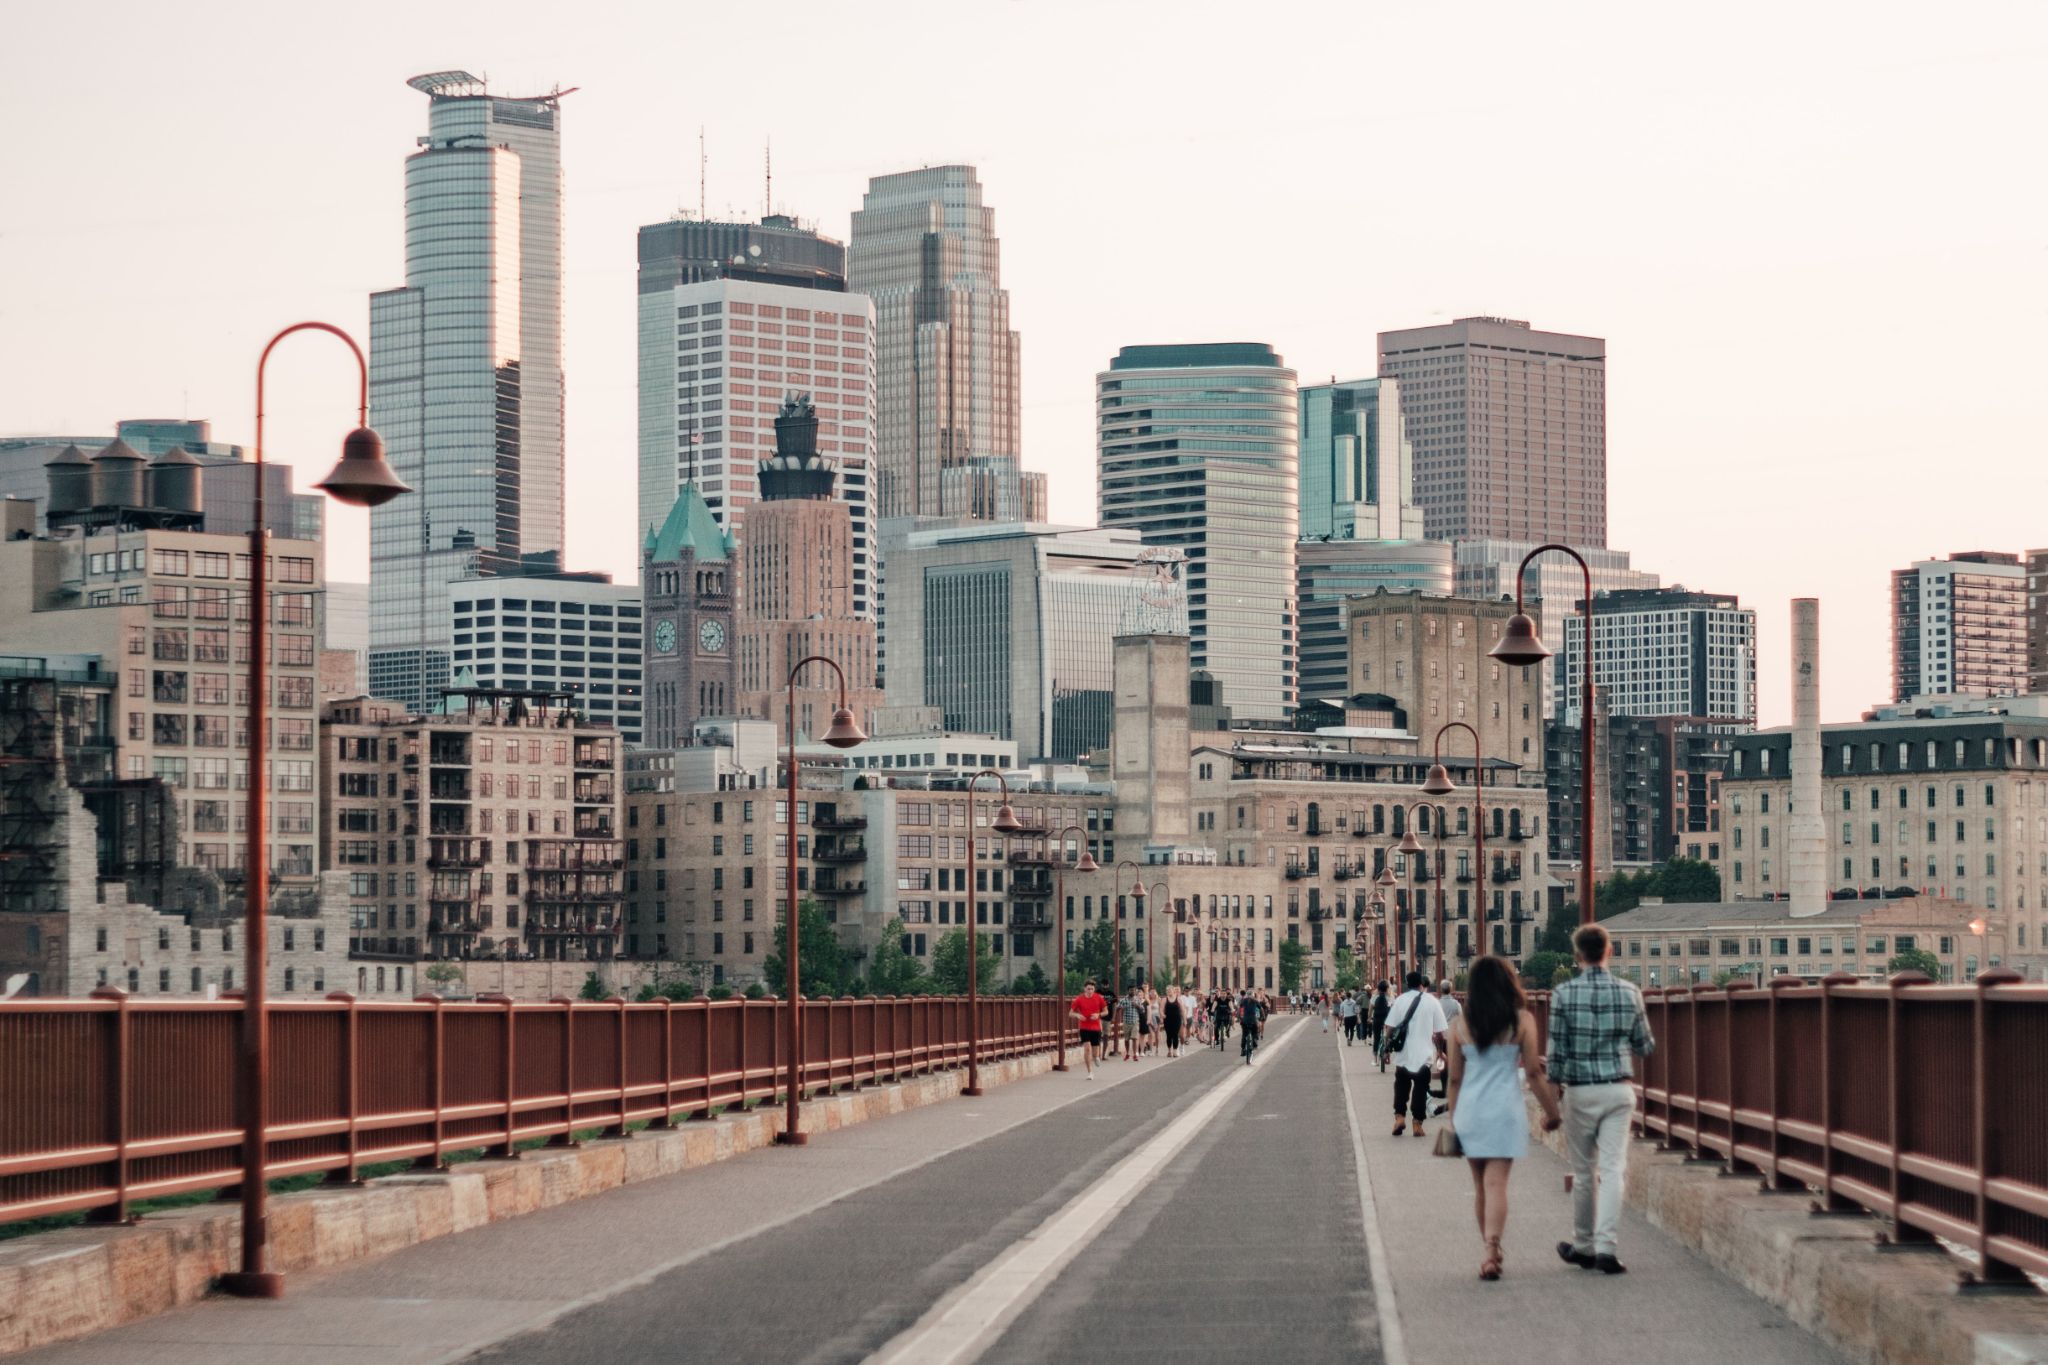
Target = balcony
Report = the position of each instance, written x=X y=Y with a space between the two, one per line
x=1295 y=872
x=1517 y=833
x=1029 y=887
x=1502 y=875
x=841 y=889
x=855 y=851
x=455 y=853
x=1465 y=952
x=1318 y=830
x=832 y=822
x=1030 y=919
x=1343 y=872
x=1032 y=858
x=1464 y=876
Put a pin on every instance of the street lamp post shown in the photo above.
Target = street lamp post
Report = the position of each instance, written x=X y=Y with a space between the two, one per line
x=1085 y=863
x=1520 y=646
x=1116 y=910
x=1411 y=845
x=361 y=479
x=845 y=732
x=1384 y=883
x=1439 y=783
x=1006 y=822
x=1152 y=954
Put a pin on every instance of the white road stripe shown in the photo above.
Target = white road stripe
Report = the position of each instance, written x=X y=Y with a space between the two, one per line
x=1393 y=1344
x=967 y=1321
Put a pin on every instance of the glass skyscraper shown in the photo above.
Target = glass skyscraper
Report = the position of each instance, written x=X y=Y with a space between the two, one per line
x=466 y=370
x=948 y=429
x=1198 y=448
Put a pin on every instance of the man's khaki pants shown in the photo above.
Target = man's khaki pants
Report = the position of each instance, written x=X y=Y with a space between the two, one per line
x=1596 y=1119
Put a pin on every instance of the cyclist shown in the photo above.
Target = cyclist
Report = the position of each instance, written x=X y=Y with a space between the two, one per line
x=1251 y=1015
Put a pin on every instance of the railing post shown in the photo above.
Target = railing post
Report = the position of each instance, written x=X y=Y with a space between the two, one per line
x=1735 y=1164
x=666 y=1118
x=351 y=1072
x=1991 y=1273
x=618 y=1005
x=567 y=1137
x=117 y=1104
x=702 y=1004
x=1829 y=1202
x=510 y=1147
x=1775 y=1180
x=1901 y=1234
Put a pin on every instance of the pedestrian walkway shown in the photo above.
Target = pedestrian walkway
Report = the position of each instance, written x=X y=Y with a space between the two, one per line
x=1198 y=1208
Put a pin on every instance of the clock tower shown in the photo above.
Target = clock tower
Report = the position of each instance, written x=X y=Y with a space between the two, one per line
x=686 y=577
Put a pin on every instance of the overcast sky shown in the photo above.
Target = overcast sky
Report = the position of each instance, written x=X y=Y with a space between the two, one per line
x=1813 y=234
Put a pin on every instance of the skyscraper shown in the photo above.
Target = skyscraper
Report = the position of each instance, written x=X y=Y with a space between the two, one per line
x=1198 y=448
x=735 y=318
x=466 y=369
x=1509 y=426
x=1959 y=626
x=1663 y=652
x=948 y=429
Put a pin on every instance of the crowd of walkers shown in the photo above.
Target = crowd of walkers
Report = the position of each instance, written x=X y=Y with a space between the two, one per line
x=1469 y=1061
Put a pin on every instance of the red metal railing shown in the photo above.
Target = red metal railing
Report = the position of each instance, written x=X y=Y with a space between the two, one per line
x=1924 y=1104
x=109 y=1100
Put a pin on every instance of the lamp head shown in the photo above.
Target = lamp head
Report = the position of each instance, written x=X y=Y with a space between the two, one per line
x=1007 y=821
x=845 y=731
x=1438 y=783
x=1138 y=892
x=1386 y=877
x=1519 y=645
x=1087 y=863
x=1977 y=926
x=1409 y=843
x=364 y=478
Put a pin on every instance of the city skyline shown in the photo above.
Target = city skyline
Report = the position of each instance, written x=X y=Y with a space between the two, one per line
x=1817 y=132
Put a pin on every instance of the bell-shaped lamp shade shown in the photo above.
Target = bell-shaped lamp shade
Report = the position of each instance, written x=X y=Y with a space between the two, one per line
x=845 y=731
x=1438 y=783
x=364 y=477
x=1087 y=863
x=1138 y=892
x=1519 y=645
x=1007 y=821
x=1386 y=877
x=1409 y=843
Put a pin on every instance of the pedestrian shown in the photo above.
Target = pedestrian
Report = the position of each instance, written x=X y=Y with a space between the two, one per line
x=1492 y=1045
x=1376 y=1017
x=1086 y=1012
x=1449 y=1004
x=1347 y=1010
x=1133 y=1010
x=1596 y=1023
x=1220 y=1014
x=1190 y=1017
x=1413 y=1022
x=1173 y=1025
x=1323 y=1010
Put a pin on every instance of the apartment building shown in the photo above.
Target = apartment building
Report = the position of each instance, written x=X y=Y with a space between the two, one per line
x=487 y=829
x=1685 y=945
x=1959 y=627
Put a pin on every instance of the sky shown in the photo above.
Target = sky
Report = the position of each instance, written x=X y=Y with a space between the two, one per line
x=1815 y=236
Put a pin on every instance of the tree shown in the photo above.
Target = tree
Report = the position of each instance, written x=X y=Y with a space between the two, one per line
x=1033 y=982
x=949 y=964
x=594 y=987
x=1557 y=928
x=444 y=974
x=1915 y=960
x=1291 y=954
x=1681 y=881
x=891 y=971
x=1089 y=959
x=1350 y=976
x=1539 y=970
x=822 y=968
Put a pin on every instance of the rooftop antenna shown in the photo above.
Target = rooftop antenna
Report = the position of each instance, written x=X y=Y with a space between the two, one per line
x=767 y=177
x=702 y=162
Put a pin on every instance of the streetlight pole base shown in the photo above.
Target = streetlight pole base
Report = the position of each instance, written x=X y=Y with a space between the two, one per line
x=252 y=1285
x=789 y=1139
x=1061 y=1066
x=971 y=1091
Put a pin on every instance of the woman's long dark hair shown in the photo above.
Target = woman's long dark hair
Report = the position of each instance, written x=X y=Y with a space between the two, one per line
x=1493 y=1001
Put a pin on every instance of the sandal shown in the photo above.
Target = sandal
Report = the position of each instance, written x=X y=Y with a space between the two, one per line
x=1489 y=1269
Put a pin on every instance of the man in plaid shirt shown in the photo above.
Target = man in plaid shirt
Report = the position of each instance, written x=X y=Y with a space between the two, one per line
x=1596 y=1024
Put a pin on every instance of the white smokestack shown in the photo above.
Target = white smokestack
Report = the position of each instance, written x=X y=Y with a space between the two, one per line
x=1807 y=827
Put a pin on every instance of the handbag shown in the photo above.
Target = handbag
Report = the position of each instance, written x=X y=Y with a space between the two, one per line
x=1447 y=1143
x=1397 y=1036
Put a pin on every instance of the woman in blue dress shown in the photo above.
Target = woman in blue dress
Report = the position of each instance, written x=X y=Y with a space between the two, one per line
x=1492 y=1045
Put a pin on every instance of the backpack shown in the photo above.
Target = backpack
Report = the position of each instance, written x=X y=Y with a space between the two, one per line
x=1397 y=1034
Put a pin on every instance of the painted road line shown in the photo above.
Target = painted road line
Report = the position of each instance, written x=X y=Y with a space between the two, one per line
x=1393 y=1344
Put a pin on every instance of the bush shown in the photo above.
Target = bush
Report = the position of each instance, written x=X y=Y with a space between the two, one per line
x=756 y=991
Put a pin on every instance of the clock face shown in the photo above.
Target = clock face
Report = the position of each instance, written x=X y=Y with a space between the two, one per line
x=711 y=635
x=665 y=636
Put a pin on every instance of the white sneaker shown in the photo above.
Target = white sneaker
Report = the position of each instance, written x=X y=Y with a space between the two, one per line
x=1091 y=1075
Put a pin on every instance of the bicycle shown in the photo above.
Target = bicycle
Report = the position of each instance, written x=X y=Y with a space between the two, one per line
x=1250 y=1043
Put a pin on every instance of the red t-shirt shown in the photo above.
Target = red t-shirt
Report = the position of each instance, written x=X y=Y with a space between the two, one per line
x=1090 y=1008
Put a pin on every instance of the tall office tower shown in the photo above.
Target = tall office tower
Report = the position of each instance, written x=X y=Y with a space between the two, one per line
x=1360 y=527
x=686 y=584
x=503 y=625
x=796 y=589
x=2037 y=620
x=1663 y=652
x=735 y=318
x=1197 y=448
x=466 y=370
x=1510 y=429
x=948 y=429
x=1010 y=628
x=1959 y=626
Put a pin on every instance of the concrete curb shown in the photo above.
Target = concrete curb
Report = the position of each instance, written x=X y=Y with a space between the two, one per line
x=1826 y=1273
x=76 y=1281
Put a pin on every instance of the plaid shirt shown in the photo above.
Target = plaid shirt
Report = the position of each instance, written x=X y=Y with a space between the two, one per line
x=1596 y=1021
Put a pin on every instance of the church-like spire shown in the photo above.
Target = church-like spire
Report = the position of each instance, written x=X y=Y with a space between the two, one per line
x=796 y=470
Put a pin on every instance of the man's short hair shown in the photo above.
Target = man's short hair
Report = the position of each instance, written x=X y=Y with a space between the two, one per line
x=1590 y=942
x=1417 y=981
x=1443 y=988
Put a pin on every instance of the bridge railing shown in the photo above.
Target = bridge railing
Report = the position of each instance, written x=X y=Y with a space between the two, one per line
x=1924 y=1104
x=109 y=1100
